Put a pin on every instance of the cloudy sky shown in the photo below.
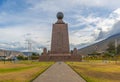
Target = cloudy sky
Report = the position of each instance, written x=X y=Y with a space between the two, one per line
x=89 y=21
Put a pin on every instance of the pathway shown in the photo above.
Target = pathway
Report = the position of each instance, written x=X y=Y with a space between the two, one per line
x=59 y=72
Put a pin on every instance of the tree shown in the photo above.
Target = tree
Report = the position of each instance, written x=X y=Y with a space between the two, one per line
x=20 y=57
x=34 y=56
x=118 y=49
x=111 y=48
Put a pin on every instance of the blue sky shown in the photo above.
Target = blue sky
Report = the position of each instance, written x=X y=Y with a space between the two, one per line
x=88 y=20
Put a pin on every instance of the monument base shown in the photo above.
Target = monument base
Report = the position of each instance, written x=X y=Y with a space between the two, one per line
x=60 y=57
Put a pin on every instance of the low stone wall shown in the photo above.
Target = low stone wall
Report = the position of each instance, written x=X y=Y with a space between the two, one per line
x=60 y=58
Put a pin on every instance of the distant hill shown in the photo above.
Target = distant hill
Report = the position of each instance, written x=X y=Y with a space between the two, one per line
x=27 y=53
x=99 y=46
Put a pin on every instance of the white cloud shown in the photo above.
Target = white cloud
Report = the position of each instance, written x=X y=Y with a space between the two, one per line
x=68 y=5
x=110 y=24
x=36 y=22
x=95 y=28
x=15 y=36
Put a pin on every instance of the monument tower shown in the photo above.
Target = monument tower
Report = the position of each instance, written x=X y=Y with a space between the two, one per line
x=60 y=38
x=60 y=44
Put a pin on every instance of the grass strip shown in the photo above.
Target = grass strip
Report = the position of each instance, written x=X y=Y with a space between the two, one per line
x=6 y=70
x=39 y=73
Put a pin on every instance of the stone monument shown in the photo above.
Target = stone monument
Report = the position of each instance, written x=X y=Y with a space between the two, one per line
x=75 y=51
x=45 y=51
x=60 y=38
x=60 y=43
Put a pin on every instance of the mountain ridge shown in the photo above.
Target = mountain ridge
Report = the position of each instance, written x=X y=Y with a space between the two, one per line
x=100 y=46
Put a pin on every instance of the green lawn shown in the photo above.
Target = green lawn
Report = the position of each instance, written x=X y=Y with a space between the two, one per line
x=22 y=71
x=97 y=71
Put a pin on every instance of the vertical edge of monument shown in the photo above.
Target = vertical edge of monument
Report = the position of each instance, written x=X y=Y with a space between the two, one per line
x=60 y=39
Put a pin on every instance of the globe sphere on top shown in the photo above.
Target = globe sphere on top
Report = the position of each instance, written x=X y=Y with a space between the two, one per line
x=60 y=15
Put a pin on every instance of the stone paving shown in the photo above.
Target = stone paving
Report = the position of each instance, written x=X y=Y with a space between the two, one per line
x=59 y=72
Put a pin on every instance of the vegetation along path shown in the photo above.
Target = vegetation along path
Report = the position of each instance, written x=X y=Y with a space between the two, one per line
x=59 y=72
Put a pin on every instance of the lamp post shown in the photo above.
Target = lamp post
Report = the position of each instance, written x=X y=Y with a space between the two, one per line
x=115 y=46
x=4 y=56
x=29 y=46
x=116 y=49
